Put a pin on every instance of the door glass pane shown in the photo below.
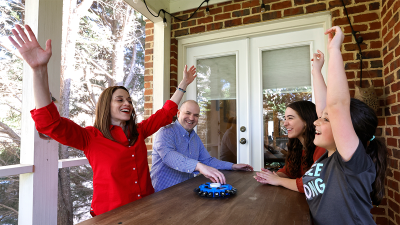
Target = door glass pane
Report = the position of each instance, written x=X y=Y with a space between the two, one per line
x=286 y=78
x=216 y=95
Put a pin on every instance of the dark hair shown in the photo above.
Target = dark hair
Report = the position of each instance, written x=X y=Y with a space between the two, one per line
x=102 y=120
x=365 y=122
x=295 y=158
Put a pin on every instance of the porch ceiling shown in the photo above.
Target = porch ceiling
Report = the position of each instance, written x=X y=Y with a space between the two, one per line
x=172 y=6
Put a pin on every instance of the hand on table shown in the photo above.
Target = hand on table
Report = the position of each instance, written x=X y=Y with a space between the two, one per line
x=267 y=177
x=244 y=167
x=211 y=173
x=30 y=50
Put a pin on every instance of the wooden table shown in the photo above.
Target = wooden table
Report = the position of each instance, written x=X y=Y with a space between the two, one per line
x=254 y=203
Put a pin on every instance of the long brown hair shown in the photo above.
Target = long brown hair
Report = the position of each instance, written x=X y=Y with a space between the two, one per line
x=294 y=160
x=102 y=120
x=365 y=123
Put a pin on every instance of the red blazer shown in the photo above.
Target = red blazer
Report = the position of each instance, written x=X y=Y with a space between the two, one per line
x=120 y=172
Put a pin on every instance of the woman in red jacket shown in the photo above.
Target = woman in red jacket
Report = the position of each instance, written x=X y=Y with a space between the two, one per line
x=302 y=152
x=115 y=145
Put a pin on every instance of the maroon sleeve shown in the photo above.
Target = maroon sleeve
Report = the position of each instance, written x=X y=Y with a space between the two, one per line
x=48 y=121
x=159 y=119
x=299 y=183
x=283 y=170
x=318 y=153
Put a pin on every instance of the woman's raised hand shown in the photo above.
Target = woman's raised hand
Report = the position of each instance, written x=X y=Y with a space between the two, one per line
x=29 y=48
x=318 y=61
x=335 y=37
x=188 y=76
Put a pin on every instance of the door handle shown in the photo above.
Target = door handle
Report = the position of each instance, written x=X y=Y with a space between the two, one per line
x=243 y=128
x=242 y=141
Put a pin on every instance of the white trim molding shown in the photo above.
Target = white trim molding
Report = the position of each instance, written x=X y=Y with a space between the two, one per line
x=161 y=65
x=64 y=163
x=258 y=29
x=16 y=169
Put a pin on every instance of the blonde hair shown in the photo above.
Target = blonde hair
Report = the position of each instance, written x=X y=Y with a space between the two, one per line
x=102 y=119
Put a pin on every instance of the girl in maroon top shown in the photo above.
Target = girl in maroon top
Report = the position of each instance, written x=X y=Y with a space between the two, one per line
x=115 y=145
x=302 y=152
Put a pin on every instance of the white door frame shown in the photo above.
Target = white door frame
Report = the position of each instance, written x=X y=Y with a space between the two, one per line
x=239 y=48
x=312 y=37
x=315 y=20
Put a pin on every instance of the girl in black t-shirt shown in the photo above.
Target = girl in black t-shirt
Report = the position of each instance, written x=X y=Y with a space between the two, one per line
x=343 y=184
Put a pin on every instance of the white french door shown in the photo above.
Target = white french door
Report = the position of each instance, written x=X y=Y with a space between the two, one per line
x=221 y=89
x=280 y=74
x=246 y=84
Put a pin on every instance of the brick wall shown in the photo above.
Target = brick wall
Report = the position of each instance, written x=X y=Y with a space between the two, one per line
x=377 y=20
x=148 y=77
x=391 y=62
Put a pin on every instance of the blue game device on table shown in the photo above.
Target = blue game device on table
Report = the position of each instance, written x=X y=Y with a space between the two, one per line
x=215 y=190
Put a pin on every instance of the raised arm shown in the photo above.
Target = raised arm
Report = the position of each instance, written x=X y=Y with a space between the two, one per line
x=188 y=77
x=318 y=82
x=338 y=98
x=37 y=59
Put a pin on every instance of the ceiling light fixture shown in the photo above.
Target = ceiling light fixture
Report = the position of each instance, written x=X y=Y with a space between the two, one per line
x=262 y=7
x=207 y=10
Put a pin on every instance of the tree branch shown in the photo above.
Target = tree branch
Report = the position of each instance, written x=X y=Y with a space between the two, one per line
x=7 y=85
x=12 y=51
x=83 y=7
x=89 y=86
x=96 y=65
x=12 y=107
x=14 y=136
x=101 y=87
x=7 y=207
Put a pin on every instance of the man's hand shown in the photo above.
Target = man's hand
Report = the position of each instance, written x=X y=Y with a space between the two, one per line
x=211 y=173
x=244 y=167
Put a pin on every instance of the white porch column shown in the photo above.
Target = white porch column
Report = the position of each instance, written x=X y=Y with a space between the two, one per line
x=161 y=64
x=38 y=190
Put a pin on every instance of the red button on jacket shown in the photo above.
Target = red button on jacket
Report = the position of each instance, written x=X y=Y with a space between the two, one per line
x=120 y=173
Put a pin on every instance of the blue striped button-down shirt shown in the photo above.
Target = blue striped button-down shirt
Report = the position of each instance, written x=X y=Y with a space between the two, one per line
x=176 y=153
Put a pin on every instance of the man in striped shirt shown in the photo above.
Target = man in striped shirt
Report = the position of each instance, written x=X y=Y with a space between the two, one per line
x=179 y=154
